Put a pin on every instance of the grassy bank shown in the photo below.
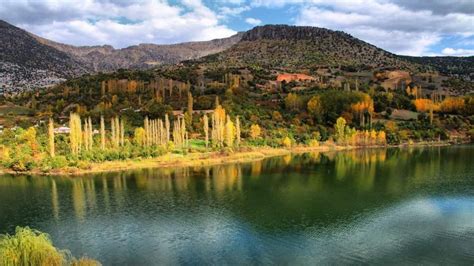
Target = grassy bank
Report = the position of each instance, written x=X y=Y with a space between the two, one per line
x=244 y=154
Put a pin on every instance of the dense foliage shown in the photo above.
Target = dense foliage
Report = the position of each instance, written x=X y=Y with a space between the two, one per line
x=32 y=247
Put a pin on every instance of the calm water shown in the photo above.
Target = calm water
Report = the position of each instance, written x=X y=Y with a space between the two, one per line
x=392 y=206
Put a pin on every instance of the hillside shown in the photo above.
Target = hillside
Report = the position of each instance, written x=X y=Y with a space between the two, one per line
x=105 y=58
x=27 y=62
x=283 y=46
x=448 y=65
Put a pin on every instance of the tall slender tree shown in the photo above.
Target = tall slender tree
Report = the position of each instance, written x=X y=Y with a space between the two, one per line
x=237 y=131
x=75 y=135
x=206 y=129
x=102 y=132
x=51 y=137
x=167 y=127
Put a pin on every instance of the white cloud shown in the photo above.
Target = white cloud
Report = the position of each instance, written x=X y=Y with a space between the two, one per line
x=232 y=11
x=276 y=3
x=457 y=52
x=253 y=21
x=119 y=23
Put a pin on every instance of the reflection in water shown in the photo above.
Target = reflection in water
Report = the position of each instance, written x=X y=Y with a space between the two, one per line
x=54 y=199
x=358 y=206
x=105 y=192
x=78 y=199
x=358 y=170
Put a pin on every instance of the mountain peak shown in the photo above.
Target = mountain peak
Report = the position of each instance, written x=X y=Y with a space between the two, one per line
x=287 y=32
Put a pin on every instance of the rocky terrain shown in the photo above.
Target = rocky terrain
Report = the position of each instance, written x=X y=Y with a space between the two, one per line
x=299 y=47
x=29 y=61
x=25 y=62
x=105 y=58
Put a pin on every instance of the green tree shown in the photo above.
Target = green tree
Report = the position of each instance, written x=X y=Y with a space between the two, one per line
x=340 y=128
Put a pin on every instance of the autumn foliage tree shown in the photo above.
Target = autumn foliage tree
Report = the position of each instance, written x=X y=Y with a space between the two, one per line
x=363 y=108
x=75 y=135
x=255 y=131
x=51 y=138
x=292 y=101
x=452 y=105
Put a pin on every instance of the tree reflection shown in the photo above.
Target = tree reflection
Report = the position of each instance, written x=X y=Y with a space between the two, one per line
x=318 y=187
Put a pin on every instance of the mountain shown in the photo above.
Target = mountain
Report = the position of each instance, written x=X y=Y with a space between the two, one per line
x=106 y=58
x=283 y=46
x=27 y=62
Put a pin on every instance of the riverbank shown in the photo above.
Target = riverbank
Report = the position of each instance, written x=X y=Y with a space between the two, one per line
x=245 y=154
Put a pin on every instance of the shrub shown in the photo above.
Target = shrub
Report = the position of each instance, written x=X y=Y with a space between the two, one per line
x=286 y=142
x=56 y=162
x=32 y=247
x=83 y=165
x=29 y=247
x=313 y=143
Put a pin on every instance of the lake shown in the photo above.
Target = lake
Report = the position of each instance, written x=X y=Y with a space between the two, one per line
x=379 y=206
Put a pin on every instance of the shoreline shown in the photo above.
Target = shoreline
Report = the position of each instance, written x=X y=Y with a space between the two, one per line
x=246 y=154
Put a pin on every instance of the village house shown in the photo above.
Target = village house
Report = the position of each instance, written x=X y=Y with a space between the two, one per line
x=62 y=130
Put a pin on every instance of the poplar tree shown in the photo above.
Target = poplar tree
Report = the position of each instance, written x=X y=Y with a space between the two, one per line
x=162 y=132
x=229 y=132
x=147 y=131
x=190 y=105
x=91 y=134
x=117 y=131
x=237 y=131
x=167 y=127
x=206 y=129
x=51 y=137
x=102 y=132
x=122 y=133
x=85 y=136
x=218 y=126
x=112 y=129
x=75 y=135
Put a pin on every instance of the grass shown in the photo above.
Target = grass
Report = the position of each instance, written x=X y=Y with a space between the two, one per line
x=31 y=247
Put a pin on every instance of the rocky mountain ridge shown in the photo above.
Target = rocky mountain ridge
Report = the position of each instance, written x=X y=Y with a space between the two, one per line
x=28 y=61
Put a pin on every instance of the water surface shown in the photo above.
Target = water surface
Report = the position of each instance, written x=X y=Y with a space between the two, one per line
x=386 y=206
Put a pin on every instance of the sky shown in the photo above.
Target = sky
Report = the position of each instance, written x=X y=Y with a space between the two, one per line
x=407 y=27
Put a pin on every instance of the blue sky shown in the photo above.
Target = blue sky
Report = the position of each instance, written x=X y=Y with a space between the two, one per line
x=409 y=27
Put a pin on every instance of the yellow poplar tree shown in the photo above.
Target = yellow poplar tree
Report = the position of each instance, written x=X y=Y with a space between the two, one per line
x=75 y=135
x=237 y=131
x=51 y=137
x=139 y=136
x=229 y=132
x=102 y=132
x=206 y=129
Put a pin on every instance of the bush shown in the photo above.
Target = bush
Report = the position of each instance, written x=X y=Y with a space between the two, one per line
x=286 y=142
x=32 y=247
x=313 y=143
x=21 y=163
x=56 y=162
